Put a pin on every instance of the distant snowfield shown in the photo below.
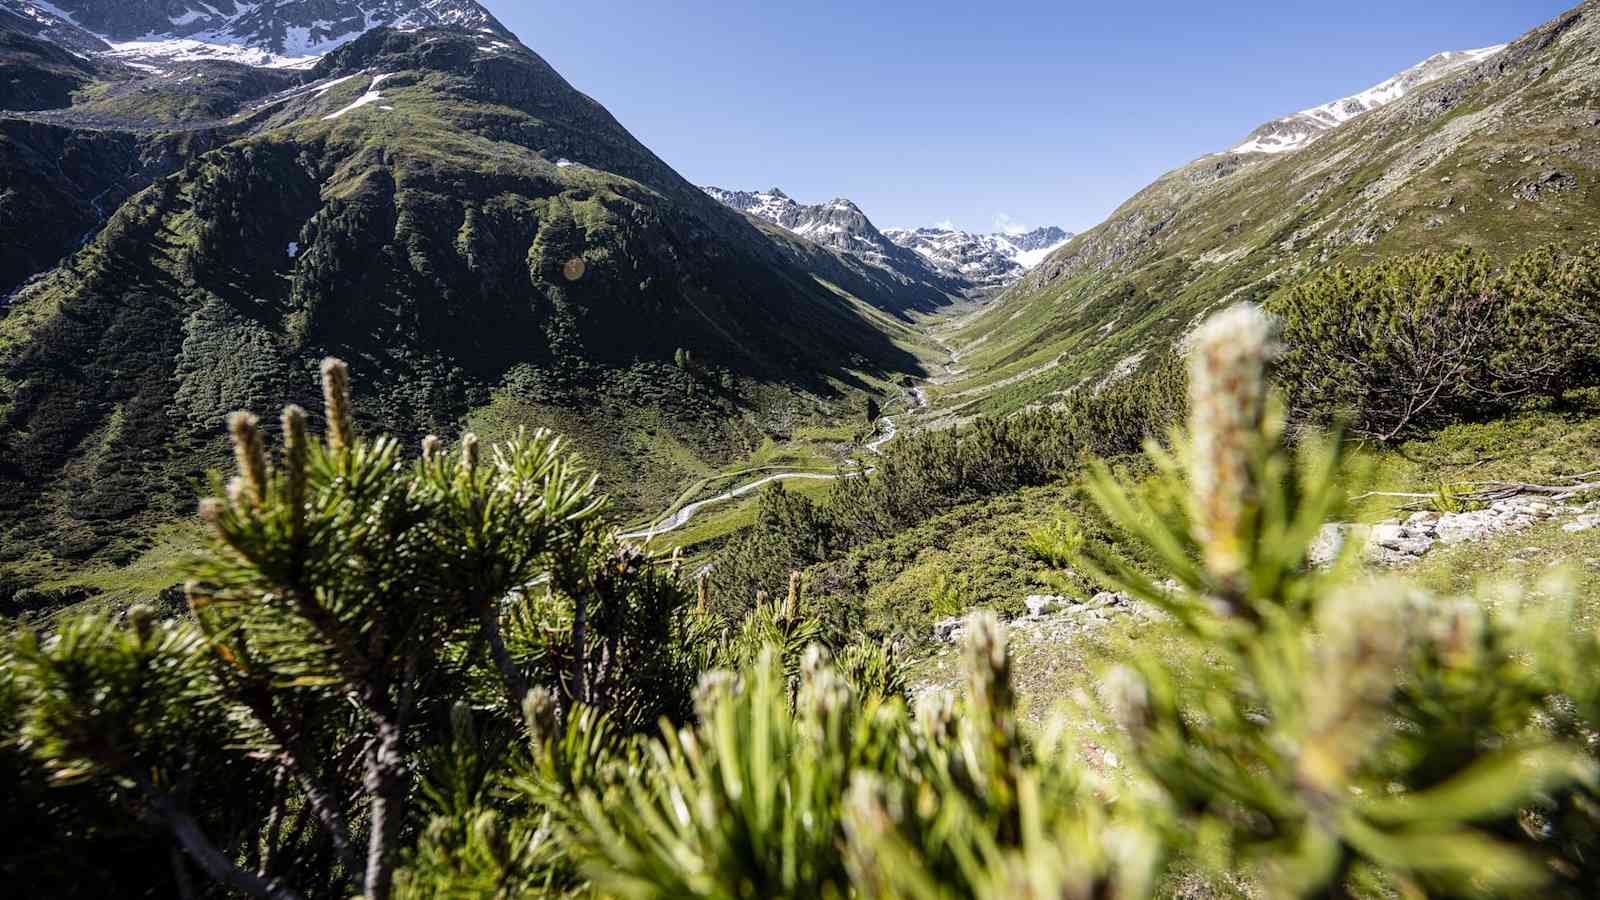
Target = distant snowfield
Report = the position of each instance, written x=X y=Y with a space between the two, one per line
x=977 y=256
x=145 y=53
x=371 y=96
x=1031 y=258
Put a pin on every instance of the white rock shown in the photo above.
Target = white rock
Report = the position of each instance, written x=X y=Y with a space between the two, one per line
x=1328 y=544
x=1583 y=523
x=1458 y=528
x=1390 y=540
x=1387 y=534
x=1044 y=604
x=1425 y=521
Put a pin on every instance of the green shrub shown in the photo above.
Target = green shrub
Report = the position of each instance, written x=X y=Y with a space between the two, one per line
x=1352 y=731
x=1409 y=343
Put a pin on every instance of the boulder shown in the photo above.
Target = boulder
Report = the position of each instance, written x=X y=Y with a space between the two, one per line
x=1423 y=521
x=950 y=630
x=1581 y=524
x=1386 y=534
x=1459 y=528
x=1393 y=544
x=1328 y=544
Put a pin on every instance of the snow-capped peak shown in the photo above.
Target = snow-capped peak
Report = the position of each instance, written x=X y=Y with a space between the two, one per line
x=1296 y=131
x=988 y=260
x=267 y=33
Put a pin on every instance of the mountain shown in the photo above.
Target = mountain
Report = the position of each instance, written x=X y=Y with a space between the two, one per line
x=488 y=248
x=1499 y=155
x=154 y=33
x=1046 y=238
x=841 y=225
x=1295 y=131
x=944 y=258
x=989 y=261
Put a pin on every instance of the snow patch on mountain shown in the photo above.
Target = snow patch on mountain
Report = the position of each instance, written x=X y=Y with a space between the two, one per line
x=981 y=261
x=1296 y=131
x=371 y=96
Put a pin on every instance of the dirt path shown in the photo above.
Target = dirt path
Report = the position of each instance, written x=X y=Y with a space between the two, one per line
x=891 y=430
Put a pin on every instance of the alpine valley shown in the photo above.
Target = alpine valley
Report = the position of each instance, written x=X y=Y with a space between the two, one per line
x=412 y=487
x=218 y=195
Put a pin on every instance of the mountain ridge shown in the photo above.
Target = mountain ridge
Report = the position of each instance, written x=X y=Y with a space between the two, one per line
x=842 y=226
x=1295 y=130
x=978 y=263
x=148 y=33
x=993 y=261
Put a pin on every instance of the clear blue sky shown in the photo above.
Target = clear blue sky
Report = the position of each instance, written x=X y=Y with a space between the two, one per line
x=1029 y=111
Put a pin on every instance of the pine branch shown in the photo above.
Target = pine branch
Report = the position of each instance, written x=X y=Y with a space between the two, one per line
x=516 y=683
x=200 y=848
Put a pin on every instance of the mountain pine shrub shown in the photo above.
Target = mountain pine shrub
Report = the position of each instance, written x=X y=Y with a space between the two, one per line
x=1352 y=731
x=349 y=600
x=1409 y=343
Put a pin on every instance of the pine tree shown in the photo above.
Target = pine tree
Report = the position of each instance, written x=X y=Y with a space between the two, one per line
x=346 y=598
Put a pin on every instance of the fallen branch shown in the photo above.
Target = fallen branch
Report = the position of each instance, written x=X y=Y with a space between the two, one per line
x=1493 y=491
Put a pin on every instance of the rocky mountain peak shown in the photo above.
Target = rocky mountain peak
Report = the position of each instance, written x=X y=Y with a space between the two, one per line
x=838 y=224
x=272 y=33
x=981 y=262
x=841 y=225
x=1043 y=238
x=988 y=260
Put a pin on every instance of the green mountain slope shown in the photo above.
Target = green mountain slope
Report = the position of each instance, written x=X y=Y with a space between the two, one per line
x=484 y=244
x=37 y=74
x=1502 y=157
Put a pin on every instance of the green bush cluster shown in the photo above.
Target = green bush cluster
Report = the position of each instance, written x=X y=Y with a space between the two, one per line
x=1411 y=343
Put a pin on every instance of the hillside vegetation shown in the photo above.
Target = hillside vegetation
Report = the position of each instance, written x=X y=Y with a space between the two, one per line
x=487 y=244
x=1500 y=159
